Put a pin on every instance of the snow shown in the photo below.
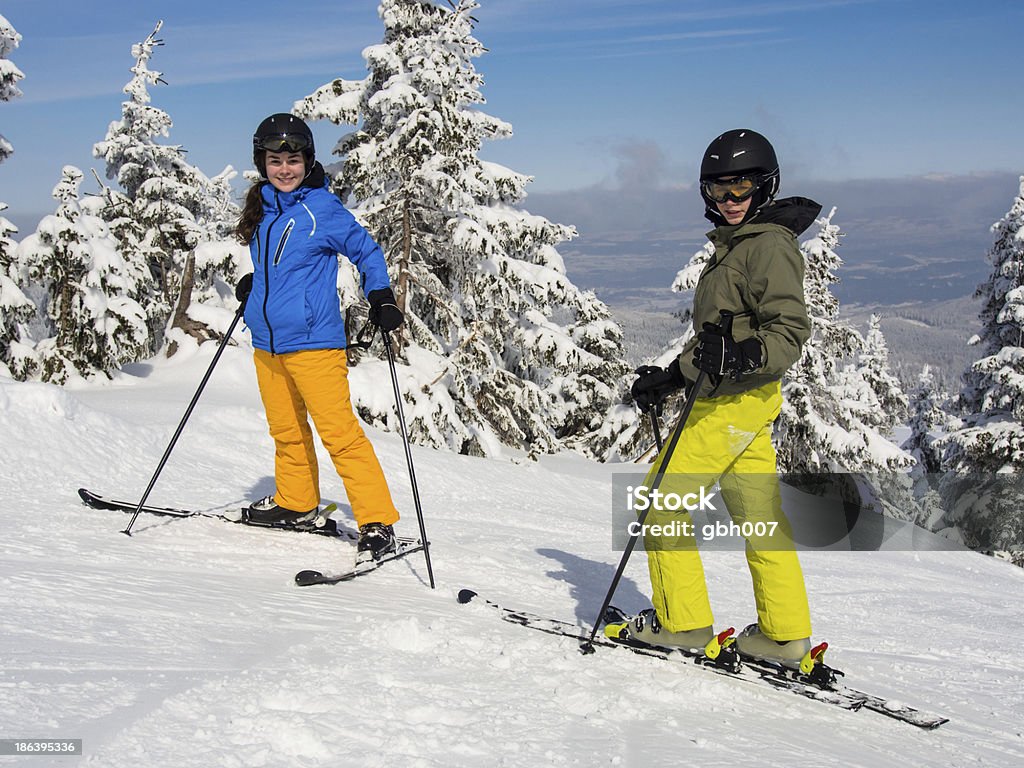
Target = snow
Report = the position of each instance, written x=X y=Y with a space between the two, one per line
x=188 y=644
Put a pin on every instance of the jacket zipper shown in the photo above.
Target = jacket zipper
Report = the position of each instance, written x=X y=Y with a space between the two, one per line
x=266 y=272
x=283 y=241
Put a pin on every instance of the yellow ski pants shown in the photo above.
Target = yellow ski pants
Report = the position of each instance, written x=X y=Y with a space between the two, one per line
x=314 y=382
x=728 y=439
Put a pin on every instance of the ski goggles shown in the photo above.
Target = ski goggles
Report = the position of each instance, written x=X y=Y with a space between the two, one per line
x=283 y=143
x=737 y=189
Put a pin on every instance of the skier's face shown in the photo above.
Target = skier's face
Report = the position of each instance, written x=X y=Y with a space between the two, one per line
x=734 y=211
x=285 y=170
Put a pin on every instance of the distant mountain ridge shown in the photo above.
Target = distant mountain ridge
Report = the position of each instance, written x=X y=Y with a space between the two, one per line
x=920 y=239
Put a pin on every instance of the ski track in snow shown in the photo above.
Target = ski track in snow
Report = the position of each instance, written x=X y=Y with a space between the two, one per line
x=188 y=644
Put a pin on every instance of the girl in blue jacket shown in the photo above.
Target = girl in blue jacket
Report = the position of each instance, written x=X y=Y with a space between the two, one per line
x=295 y=227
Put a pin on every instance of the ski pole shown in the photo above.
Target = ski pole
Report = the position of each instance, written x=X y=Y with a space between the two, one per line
x=656 y=428
x=588 y=646
x=188 y=412
x=408 y=454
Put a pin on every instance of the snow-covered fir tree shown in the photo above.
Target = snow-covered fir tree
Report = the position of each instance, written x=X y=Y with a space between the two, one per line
x=94 y=324
x=928 y=419
x=823 y=427
x=873 y=368
x=986 y=454
x=165 y=207
x=992 y=396
x=15 y=308
x=636 y=438
x=686 y=279
x=685 y=282
x=211 y=268
x=866 y=387
x=9 y=74
x=504 y=349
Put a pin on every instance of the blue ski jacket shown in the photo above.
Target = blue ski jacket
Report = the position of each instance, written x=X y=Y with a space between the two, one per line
x=294 y=300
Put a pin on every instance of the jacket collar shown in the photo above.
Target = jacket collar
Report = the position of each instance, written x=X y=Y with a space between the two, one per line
x=794 y=213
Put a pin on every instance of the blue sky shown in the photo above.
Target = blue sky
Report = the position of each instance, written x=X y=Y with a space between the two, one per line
x=601 y=93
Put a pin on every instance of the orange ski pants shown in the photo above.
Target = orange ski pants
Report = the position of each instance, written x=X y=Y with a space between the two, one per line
x=314 y=383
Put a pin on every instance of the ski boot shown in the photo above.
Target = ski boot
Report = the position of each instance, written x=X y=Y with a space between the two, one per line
x=268 y=513
x=796 y=657
x=375 y=541
x=645 y=628
x=753 y=644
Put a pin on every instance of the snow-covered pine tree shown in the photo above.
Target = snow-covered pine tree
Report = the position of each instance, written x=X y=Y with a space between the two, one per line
x=927 y=421
x=685 y=282
x=874 y=369
x=211 y=269
x=987 y=451
x=503 y=348
x=822 y=428
x=636 y=438
x=9 y=74
x=866 y=385
x=15 y=308
x=165 y=207
x=992 y=396
x=95 y=326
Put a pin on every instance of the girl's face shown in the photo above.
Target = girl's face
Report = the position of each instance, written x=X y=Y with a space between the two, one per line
x=733 y=211
x=285 y=170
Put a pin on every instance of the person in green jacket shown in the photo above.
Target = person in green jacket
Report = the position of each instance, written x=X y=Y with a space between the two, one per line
x=756 y=276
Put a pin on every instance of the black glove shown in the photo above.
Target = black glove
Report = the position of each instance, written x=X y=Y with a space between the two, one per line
x=655 y=384
x=721 y=355
x=243 y=289
x=384 y=311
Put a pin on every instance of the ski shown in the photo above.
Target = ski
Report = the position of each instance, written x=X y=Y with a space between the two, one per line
x=327 y=526
x=404 y=546
x=820 y=685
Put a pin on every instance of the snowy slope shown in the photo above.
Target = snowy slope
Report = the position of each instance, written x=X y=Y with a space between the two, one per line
x=188 y=645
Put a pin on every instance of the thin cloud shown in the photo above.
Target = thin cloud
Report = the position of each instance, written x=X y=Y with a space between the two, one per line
x=728 y=38
x=689 y=49
x=193 y=55
x=704 y=35
x=586 y=15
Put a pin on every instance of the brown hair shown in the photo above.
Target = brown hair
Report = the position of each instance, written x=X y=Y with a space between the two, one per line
x=252 y=213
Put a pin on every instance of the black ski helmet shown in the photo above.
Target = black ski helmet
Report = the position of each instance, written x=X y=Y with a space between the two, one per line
x=282 y=132
x=741 y=152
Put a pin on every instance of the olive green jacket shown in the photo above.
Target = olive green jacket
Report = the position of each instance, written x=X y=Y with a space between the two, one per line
x=757 y=273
